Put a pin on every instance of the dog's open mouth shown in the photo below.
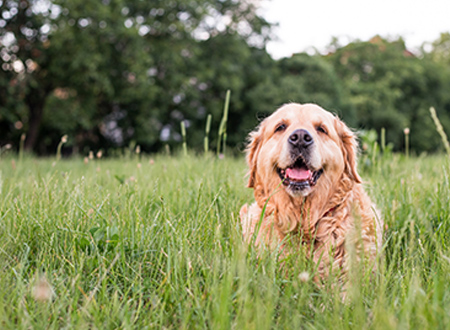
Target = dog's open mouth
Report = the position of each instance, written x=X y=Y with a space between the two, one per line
x=299 y=176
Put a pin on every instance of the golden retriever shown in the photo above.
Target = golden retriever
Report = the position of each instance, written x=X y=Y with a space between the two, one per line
x=303 y=169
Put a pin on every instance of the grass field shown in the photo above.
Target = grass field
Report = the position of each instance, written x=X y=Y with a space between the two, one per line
x=156 y=244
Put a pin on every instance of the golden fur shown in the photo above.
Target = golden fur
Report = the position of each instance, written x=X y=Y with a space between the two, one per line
x=331 y=217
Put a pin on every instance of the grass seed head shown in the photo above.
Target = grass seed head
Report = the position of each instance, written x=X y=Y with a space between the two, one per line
x=304 y=277
x=42 y=290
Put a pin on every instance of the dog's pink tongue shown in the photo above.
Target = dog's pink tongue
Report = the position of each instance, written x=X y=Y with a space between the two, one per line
x=298 y=173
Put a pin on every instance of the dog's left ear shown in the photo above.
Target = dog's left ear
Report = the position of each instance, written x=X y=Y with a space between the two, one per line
x=349 y=148
x=255 y=139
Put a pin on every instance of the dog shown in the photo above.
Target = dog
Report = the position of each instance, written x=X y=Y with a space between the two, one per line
x=303 y=170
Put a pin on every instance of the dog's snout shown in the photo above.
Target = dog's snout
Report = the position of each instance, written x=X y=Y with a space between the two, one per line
x=301 y=138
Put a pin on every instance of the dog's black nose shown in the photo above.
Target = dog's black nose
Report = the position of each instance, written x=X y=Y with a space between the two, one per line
x=301 y=138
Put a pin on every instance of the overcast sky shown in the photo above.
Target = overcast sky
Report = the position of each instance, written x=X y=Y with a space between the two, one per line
x=312 y=23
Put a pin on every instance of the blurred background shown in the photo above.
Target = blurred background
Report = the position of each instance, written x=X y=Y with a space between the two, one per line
x=114 y=73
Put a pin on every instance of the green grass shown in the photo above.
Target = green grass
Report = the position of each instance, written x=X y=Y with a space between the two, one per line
x=154 y=246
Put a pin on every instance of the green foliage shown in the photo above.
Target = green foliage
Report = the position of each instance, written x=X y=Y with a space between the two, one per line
x=161 y=247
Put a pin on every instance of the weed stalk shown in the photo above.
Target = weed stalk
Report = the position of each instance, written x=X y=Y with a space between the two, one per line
x=58 y=149
x=406 y=131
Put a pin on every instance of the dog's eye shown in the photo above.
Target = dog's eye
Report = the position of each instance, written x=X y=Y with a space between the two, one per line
x=280 y=128
x=321 y=129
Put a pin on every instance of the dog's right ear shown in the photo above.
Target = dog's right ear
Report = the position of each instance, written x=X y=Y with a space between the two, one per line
x=349 y=149
x=255 y=139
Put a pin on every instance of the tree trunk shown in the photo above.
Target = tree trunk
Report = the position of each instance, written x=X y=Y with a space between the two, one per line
x=35 y=118
x=35 y=100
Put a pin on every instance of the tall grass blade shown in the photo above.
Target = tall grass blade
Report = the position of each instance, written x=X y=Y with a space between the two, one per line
x=223 y=122
x=207 y=130
x=263 y=213
x=224 y=143
x=21 y=146
x=183 y=133
x=440 y=130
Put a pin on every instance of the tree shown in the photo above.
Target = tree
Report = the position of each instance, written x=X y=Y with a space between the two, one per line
x=440 y=51
x=393 y=88
x=108 y=71
x=225 y=62
x=24 y=39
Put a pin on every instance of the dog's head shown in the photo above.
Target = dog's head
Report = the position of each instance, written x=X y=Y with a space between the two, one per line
x=300 y=146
